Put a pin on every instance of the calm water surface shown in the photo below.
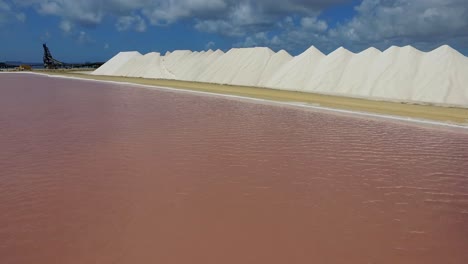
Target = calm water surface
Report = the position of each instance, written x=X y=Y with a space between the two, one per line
x=111 y=173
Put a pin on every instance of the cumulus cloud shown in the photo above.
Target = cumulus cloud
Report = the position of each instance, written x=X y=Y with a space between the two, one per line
x=4 y=12
x=314 y=24
x=136 y=23
x=84 y=12
x=84 y=38
x=66 y=26
x=45 y=37
x=235 y=14
x=4 y=6
x=293 y=35
x=405 y=21
x=8 y=13
x=21 y=17
x=210 y=45
x=248 y=17
x=289 y=24
x=425 y=24
x=166 y=11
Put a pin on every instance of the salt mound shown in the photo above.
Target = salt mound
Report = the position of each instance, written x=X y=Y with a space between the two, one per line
x=186 y=64
x=398 y=73
x=238 y=66
x=114 y=64
x=172 y=60
x=356 y=73
x=151 y=67
x=293 y=74
x=442 y=78
x=252 y=67
x=208 y=58
x=274 y=64
x=328 y=73
x=377 y=65
x=403 y=64
x=130 y=66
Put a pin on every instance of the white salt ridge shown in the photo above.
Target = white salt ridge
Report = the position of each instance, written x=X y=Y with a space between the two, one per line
x=190 y=62
x=443 y=77
x=151 y=68
x=250 y=70
x=398 y=73
x=403 y=64
x=238 y=67
x=328 y=72
x=115 y=63
x=274 y=64
x=293 y=74
x=357 y=72
x=172 y=60
x=130 y=66
x=205 y=60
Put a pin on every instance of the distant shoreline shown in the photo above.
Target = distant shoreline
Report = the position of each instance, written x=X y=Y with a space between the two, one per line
x=439 y=113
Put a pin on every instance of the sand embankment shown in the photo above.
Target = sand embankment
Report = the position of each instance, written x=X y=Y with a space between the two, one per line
x=457 y=115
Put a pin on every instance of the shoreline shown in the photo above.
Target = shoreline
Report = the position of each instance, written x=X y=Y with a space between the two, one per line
x=422 y=113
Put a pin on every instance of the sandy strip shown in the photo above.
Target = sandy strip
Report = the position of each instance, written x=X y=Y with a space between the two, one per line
x=400 y=111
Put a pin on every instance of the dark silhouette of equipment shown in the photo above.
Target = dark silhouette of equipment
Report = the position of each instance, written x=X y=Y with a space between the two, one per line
x=49 y=61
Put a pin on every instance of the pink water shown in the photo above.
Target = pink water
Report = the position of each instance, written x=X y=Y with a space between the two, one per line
x=110 y=173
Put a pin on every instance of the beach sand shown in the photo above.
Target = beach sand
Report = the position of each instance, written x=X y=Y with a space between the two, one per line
x=440 y=113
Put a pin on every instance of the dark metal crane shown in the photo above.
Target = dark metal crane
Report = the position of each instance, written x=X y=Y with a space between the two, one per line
x=49 y=61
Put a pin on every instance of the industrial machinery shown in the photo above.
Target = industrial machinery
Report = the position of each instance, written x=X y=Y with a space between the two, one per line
x=49 y=61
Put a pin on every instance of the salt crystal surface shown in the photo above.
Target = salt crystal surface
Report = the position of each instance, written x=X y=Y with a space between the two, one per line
x=115 y=63
x=398 y=73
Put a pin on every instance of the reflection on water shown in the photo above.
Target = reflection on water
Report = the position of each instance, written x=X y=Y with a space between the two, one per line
x=107 y=173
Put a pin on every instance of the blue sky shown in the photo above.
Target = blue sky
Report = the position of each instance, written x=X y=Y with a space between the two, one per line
x=95 y=30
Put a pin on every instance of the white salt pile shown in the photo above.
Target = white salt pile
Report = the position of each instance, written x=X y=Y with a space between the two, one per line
x=238 y=67
x=174 y=60
x=190 y=71
x=294 y=74
x=274 y=64
x=328 y=73
x=151 y=67
x=130 y=67
x=115 y=63
x=443 y=78
x=357 y=73
x=398 y=73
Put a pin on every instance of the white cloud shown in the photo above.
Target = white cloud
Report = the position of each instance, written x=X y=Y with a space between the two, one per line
x=219 y=27
x=9 y=14
x=425 y=24
x=292 y=36
x=405 y=21
x=66 y=26
x=136 y=23
x=289 y=24
x=241 y=15
x=49 y=8
x=210 y=45
x=312 y=23
x=83 y=12
x=46 y=36
x=164 y=12
x=4 y=6
x=84 y=38
x=240 y=20
x=21 y=17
